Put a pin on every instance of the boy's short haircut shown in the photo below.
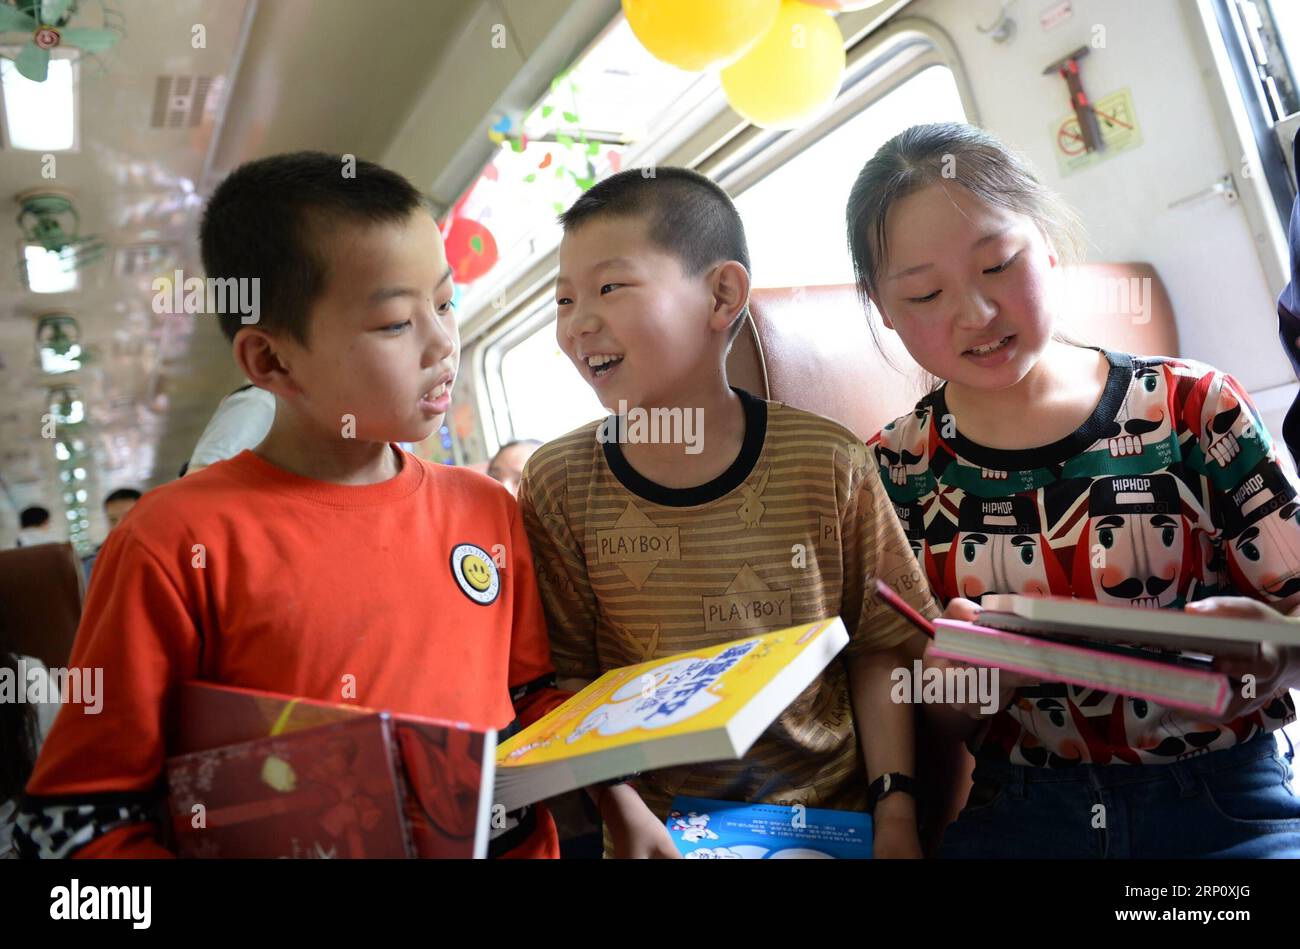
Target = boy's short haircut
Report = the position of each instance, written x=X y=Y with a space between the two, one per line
x=267 y=218
x=687 y=215
x=122 y=494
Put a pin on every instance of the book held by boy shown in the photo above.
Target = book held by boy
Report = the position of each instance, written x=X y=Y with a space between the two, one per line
x=729 y=830
x=708 y=704
x=257 y=774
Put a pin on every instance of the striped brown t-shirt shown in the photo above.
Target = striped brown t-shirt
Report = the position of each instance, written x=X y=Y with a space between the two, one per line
x=630 y=570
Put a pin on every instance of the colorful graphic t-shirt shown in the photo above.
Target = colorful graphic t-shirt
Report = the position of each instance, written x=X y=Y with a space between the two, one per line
x=1171 y=490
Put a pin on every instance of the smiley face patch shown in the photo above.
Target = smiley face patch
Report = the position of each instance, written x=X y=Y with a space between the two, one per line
x=475 y=573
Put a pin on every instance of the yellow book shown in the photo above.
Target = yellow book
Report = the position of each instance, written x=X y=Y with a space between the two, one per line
x=709 y=704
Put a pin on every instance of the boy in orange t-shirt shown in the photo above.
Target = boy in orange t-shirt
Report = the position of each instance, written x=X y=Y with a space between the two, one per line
x=325 y=557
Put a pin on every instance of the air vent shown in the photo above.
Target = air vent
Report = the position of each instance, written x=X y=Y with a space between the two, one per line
x=178 y=101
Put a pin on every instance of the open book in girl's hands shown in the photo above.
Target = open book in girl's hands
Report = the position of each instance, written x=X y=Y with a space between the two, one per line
x=1169 y=629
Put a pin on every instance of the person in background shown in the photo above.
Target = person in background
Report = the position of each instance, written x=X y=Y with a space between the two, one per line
x=508 y=463
x=118 y=503
x=115 y=507
x=34 y=527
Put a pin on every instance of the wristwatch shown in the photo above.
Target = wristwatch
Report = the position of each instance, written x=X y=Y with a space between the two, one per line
x=887 y=784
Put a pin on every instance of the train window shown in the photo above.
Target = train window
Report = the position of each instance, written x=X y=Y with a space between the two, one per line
x=807 y=194
x=1280 y=23
x=608 y=111
x=1273 y=36
x=542 y=394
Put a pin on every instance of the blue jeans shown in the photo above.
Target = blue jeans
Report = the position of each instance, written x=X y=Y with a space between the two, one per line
x=1234 y=803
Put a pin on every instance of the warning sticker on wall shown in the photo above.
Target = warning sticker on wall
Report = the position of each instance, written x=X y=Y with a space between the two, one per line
x=1119 y=132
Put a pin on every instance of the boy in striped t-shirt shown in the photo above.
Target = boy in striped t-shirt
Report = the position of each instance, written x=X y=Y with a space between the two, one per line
x=698 y=514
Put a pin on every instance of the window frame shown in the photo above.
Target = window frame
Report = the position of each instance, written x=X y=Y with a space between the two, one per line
x=1238 y=111
x=1259 y=110
x=737 y=155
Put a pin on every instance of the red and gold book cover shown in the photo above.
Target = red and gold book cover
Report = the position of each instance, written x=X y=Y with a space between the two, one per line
x=445 y=780
x=443 y=771
x=332 y=791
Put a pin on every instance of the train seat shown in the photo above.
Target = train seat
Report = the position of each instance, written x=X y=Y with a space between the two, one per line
x=41 y=590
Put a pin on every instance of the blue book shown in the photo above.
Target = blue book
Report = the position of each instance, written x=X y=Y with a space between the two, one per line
x=729 y=830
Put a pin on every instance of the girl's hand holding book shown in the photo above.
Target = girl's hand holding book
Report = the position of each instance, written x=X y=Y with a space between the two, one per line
x=1273 y=668
x=960 y=608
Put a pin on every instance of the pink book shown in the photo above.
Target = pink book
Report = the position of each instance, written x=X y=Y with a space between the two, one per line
x=1170 y=682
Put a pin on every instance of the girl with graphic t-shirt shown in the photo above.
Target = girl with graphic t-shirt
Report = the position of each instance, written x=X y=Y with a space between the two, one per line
x=1045 y=467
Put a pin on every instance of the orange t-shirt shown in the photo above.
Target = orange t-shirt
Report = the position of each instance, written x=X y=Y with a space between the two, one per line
x=248 y=575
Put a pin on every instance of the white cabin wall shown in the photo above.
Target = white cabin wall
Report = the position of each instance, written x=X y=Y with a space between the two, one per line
x=1205 y=252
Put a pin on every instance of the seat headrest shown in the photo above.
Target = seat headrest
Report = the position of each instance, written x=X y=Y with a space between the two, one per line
x=812 y=347
x=41 y=590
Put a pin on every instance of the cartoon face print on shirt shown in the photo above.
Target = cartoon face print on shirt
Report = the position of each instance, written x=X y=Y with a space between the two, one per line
x=999 y=548
x=1048 y=715
x=1145 y=420
x=1262 y=534
x=1220 y=430
x=910 y=458
x=1137 y=548
x=1168 y=734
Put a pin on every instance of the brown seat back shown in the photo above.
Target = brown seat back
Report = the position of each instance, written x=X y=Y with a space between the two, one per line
x=811 y=347
x=41 y=590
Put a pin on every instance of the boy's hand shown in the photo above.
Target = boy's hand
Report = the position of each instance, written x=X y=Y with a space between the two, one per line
x=967 y=610
x=1274 y=668
x=634 y=830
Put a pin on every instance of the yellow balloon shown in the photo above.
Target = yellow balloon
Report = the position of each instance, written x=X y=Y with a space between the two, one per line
x=699 y=34
x=792 y=73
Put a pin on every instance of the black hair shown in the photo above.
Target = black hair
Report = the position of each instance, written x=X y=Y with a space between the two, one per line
x=34 y=516
x=267 y=218
x=122 y=494
x=687 y=215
